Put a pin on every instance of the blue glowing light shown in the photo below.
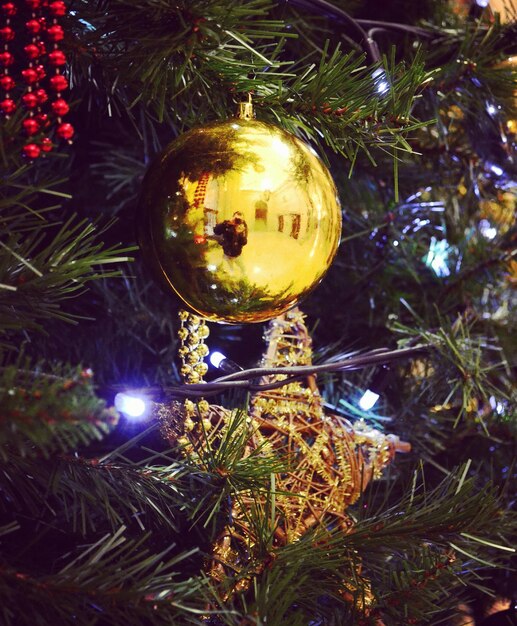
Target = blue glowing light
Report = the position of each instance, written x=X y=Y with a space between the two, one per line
x=437 y=257
x=131 y=406
x=487 y=230
x=497 y=406
x=381 y=82
x=491 y=109
x=368 y=400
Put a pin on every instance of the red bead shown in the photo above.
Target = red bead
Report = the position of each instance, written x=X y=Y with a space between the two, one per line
x=42 y=119
x=65 y=131
x=41 y=47
x=60 y=107
x=55 y=33
x=9 y=9
x=41 y=96
x=30 y=126
x=33 y=26
x=43 y=22
x=29 y=100
x=6 y=33
x=8 y=106
x=57 y=8
x=6 y=58
x=40 y=70
x=31 y=150
x=46 y=145
x=33 y=4
x=57 y=57
x=6 y=82
x=58 y=83
x=32 y=51
x=30 y=76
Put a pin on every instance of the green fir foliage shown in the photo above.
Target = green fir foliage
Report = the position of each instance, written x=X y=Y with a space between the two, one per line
x=101 y=522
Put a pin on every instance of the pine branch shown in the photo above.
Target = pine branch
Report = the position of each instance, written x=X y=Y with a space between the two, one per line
x=463 y=364
x=232 y=471
x=21 y=194
x=47 y=413
x=449 y=512
x=350 y=107
x=39 y=270
x=413 y=555
x=136 y=39
x=85 y=495
x=333 y=97
x=114 y=580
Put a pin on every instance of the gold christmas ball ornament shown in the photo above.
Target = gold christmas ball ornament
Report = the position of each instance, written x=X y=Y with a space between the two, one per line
x=240 y=219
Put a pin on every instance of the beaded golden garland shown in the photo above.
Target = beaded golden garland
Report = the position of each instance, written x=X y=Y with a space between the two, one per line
x=192 y=334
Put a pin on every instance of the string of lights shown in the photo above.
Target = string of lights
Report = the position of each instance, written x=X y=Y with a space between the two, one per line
x=249 y=380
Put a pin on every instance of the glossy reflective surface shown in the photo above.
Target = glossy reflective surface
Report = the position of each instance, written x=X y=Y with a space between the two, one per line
x=240 y=218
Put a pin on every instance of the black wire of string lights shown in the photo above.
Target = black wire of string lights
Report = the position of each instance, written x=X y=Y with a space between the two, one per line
x=328 y=9
x=246 y=379
x=365 y=29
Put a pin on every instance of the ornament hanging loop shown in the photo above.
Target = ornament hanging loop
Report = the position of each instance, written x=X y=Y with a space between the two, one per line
x=246 y=110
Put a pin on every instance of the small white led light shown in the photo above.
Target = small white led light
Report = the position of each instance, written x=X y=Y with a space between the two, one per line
x=131 y=406
x=487 y=230
x=368 y=400
x=381 y=83
x=216 y=358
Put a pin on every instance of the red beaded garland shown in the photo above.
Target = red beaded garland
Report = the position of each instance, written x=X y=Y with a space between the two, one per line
x=57 y=8
x=58 y=83
x=31 y=150
x=55 y=33
x=29 y=100
x=8 y=106
x=32 y=51
x=6 y=58
x=30 y=76
x=40 y=70
x=46 y=144
x=57 y=57
x=42 y=119
x=30 y=126
x=41 y=95
x=7 y=82
x=40 y=22
x=33 y=26
x=60 y=107
x=65 y=131
x=9 y=9
x=6 y=33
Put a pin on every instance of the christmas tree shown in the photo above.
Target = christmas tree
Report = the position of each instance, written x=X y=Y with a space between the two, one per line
x=351 y=464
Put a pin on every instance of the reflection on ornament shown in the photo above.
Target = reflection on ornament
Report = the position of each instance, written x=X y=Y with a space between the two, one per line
x=240 y=219
x=329 y=460
x=504 y=9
